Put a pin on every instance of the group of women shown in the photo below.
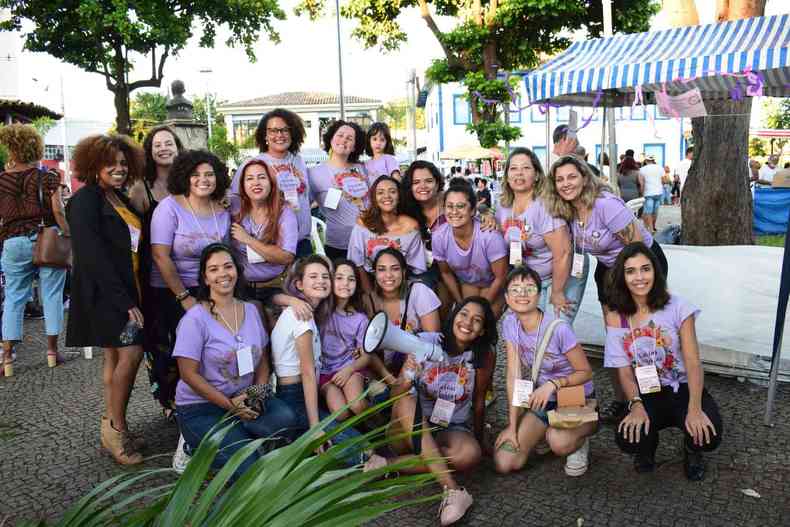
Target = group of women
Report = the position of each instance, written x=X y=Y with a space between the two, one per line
x=174 y=260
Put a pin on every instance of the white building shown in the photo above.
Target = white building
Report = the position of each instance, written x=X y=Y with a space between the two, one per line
x=641 y=129
x=76 y=129
x=315 y=109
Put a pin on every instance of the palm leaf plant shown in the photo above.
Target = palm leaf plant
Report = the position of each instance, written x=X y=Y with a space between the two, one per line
x=288 y=486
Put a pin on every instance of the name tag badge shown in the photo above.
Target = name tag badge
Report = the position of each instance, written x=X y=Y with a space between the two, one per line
x=253 y=257
x=522 y=392
x=428 y=257
x=516 y=256
x=244 y=361
x=647 y=378
x=292 y=197
x=134 y=234
x=442 y=412
x=577 y=269
x=332 y=199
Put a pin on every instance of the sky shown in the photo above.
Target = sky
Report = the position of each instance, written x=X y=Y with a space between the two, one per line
x=305 y=60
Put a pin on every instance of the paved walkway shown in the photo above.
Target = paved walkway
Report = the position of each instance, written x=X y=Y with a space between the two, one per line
x=52 y=458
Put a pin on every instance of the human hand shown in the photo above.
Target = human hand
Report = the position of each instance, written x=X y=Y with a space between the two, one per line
x=341 y=377
x=136 y=316
x=540 y=397
x=302 y=310
x=508 y=435
x=320 y=449
x=241 y=410
x=188 y=302
x=239 y=233
x=488 y=222
x=560 y=302
x=698 y=425
x=631 y=425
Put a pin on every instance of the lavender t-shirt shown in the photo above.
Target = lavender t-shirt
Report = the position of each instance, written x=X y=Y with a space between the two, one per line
x=597 y=238
x=340 y=221
x=341 y=334
x=422 y=301
x=200 y=337
x=473 y=265
x=364 y=245
x=186 y=235
x=555 y=363
x=290 y=171
x=656 y=341
x=452 y=380
x=288 y=234
x=531 y=227
x=383 y=166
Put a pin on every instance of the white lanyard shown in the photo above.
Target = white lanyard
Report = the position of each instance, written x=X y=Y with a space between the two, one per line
x=537 y=343
x=235 y=328
x=194 y=217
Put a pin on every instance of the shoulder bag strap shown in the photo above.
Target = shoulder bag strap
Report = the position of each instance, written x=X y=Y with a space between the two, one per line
x=406 y=307
x=542 y=345
x=40 y=197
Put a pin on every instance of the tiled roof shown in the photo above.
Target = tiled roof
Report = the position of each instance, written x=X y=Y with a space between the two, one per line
x=28 y=109
x=303 y=98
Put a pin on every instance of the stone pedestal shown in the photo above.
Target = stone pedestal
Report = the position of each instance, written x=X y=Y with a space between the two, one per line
x=193 y=135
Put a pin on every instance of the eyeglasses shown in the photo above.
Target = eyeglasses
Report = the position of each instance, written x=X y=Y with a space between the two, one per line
x=523 y=290
x=457 y=206
x=278 y=131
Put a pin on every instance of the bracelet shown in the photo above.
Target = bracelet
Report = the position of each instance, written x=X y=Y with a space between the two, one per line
x=633 y=401
x=556 y=384
x=182 y=295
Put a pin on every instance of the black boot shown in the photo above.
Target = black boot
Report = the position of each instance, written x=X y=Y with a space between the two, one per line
x=693 y=464
x=644 y=463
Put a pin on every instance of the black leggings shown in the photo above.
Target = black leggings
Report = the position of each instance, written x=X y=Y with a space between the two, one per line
x=603 y=275
x=668 y=409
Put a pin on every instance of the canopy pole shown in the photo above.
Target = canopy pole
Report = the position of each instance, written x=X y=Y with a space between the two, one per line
x=612 y=151
x=549 y=144
x=603 y=147
x=781 y=312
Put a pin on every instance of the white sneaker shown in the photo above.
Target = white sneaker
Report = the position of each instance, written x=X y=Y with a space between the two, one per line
x=576 y=464
x=180 y=458
x=454 y=505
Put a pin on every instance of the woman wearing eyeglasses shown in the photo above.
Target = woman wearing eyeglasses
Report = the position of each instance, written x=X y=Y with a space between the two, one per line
x=472 y=262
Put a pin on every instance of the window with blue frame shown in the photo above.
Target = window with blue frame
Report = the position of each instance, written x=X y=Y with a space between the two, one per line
x=515 y=110
x=540 y=151
x=535 y=115
x=638 y=113
x=657 y=150
x=462 y=111
x=563 y=114
x=657 y=114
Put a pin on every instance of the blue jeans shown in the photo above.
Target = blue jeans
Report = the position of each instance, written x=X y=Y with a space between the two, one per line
x=574 y=292
x=293 y=396
x=18 y=268
x=667 y=196
x=196 y=420
x=652 y=203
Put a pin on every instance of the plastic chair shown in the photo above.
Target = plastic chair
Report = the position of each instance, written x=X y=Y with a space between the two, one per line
x=317 y=231
x=635 y=205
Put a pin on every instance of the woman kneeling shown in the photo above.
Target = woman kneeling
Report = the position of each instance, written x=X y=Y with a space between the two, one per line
x=652 y=341
x=548 y=348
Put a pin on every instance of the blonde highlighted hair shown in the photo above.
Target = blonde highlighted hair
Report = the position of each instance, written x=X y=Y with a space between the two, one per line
x=23 y=142
x=592 y=188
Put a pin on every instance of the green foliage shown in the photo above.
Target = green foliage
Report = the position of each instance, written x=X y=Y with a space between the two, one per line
x=150 y=107
x=394 y=114
x=218 y=142
x=489 y=37
x=43 y=125
x=778 y=116
x=3 y=156
x=289 y=486
x=99 y=36
x=771 y=240
x=757 y=147
x=489 y=134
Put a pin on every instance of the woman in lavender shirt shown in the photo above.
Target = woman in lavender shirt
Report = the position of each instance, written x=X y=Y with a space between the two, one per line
x=381 y=151
x=654 y=331
x=471 y=262
x=601 y=226
x=264 y=231
x=279 y=136
x=564 y=364
x=183 y=224
x=383 y=225
x=544 y=240
x=340 y=185
x=212 y=339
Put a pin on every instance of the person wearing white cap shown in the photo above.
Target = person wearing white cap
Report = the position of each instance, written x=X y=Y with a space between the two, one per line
x=651 y=174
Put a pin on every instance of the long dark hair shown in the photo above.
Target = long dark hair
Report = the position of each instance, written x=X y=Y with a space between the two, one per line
x=356 y=299
x=409 y=205
x=296 y=272
x=379 y=128
x=203 y=291
x=620 y=298
x=148 y=148
x=404 y=285
x=371 y=217
x=484 y=343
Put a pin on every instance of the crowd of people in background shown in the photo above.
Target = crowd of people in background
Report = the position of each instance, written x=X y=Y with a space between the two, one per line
x=211 y=280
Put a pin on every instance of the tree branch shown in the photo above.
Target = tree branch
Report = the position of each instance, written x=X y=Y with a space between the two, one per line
x=425 y=13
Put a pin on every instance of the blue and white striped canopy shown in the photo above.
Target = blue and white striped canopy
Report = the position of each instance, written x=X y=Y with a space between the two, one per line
x=708 y=57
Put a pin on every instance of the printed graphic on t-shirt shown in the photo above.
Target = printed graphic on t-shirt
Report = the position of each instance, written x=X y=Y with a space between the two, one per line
x=285 y=171
x=449 y=382
x=652 y=344
x=191 y=244
x=354 y=186
x=525 y=232
x=228 y=364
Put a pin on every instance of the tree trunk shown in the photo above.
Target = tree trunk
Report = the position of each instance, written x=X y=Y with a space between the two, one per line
x=716 y=201
x=123 y=123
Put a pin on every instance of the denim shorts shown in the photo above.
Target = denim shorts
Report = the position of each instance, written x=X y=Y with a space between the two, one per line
x=652 y=203
x=543 y=415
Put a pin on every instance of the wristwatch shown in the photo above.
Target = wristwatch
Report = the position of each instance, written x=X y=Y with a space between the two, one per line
x=182 y=295
x=633 y=401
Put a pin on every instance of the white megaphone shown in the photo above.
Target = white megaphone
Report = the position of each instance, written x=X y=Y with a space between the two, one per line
x=380 y=334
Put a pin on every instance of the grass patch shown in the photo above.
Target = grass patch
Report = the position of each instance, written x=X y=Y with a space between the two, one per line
x=771 y=240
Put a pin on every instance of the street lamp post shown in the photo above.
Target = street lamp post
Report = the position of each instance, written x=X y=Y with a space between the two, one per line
x=208 y=102
x=340 y=63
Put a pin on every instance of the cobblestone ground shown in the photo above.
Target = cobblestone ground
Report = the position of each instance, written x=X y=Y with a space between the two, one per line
x=52 y=458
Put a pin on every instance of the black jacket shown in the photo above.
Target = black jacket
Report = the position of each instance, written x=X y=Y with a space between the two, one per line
x=103 y=287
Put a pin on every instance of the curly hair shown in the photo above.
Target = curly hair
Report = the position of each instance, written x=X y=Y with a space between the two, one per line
x=23 y=142
x=274 y=202
x=371 y=217
x=96 y=152
x=186 y=163
x=592 y=188
x=359 y=138
x=620 y=298
x=379 y=128
x=148 y=147
x=296 y=274
x=507 y=197
x=482 y=344
x=294 y=122
x=408 y=204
